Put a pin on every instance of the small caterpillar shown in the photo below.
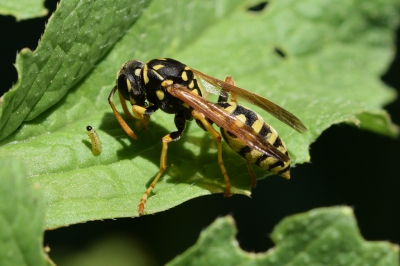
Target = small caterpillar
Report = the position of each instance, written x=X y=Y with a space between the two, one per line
x=94 y=138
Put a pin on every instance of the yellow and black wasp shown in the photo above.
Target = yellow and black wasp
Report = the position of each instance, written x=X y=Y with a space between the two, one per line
x=175 y=88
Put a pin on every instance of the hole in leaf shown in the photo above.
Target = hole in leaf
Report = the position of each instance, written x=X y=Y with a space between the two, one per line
x=258 y=7
x=279 y=52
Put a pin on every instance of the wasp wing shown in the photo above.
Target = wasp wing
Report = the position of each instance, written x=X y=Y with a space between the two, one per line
x=225 y=120
x=272 y=108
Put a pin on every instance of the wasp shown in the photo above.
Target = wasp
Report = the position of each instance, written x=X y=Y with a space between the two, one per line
x=177 y=89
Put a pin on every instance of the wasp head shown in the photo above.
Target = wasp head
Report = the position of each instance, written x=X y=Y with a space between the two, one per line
x=129 y=83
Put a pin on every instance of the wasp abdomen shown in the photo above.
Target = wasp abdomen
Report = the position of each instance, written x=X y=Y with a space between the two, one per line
x=255 y=121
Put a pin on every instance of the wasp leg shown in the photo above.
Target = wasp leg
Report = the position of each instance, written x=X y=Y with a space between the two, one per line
x=125 y=107
x=143 y=114
x=139 y=112
x=119 y=118
x=252 y=174
x=217 y=137
x=180 y=123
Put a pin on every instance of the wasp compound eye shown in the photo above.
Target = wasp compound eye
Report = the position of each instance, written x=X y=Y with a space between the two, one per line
x=123 y=87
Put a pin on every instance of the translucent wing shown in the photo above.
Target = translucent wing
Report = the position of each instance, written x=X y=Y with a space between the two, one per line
x=225 y=120
x=272 y=108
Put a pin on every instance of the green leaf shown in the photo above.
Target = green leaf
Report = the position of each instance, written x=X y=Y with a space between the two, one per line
x=23 y=9
x=103 y=253
x=76 y=37
x=21 y=217
x=325 y=236
x=334 y=54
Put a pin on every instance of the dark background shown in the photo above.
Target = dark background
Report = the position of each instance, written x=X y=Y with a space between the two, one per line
x=349 y=167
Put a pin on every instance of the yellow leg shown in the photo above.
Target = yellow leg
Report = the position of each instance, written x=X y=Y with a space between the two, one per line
x=119 y=118
x=163 y=165
x=138 y=111
x=125 y=108
x=144 y=120
x=252 y=174
x=217 y=137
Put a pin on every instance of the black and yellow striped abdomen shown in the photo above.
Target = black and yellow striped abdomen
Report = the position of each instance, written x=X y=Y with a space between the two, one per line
x=256 y=157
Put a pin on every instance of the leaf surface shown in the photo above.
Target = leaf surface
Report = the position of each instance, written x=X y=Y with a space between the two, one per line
x=76 y=37
x=325 y=236
x=21 y=217
x=333 y=56
x=23 y=9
